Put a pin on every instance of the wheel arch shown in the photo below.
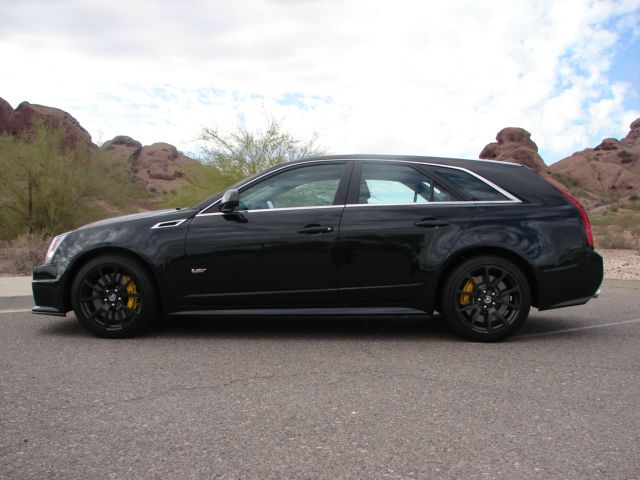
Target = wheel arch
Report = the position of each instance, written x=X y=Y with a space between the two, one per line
x=459 y=257
x=91 y=254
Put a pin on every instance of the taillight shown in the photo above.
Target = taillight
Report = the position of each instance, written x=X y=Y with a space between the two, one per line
x=583 y=215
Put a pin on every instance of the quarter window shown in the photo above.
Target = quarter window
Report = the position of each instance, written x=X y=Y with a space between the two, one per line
x=384 y=183
x=309 y=186
x=472 y=186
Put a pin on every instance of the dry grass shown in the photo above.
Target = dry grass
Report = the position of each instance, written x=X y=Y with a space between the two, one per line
x=20 y=255
x=618 y=229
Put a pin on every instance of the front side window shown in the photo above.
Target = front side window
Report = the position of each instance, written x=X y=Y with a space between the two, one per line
x=382 y=183
x=308 y=186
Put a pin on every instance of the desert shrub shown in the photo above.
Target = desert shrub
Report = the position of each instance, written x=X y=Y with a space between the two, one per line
x=20 y=255
x=228 y=158
x=47 y=188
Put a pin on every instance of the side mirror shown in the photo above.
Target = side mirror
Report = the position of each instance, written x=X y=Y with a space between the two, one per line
x=230 y=200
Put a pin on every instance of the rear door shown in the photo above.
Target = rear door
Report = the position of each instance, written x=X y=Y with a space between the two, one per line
x=396 y=230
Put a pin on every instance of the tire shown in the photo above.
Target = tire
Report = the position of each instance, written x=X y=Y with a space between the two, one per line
x=113 y=296
x=486 y=299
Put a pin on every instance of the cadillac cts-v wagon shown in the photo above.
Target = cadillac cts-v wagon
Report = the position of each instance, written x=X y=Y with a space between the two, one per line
x=478 y=241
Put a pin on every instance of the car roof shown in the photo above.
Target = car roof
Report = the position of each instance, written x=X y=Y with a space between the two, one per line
x=455 y=162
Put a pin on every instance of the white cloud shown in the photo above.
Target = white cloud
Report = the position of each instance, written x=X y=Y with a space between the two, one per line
x=401 y=77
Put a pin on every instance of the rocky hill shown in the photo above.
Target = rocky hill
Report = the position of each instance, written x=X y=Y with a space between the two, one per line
x=158 y=167
x=612 y=168
x=514 y=145
x=608 y=173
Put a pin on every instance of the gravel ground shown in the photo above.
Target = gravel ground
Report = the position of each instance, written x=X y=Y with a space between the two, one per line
x=622 y=264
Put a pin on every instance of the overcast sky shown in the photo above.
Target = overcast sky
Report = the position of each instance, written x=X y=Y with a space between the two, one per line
x=409 y=77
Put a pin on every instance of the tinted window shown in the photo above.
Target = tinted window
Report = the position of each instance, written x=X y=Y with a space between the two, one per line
x=472 y=186
x=310 y=186
x=386 y=183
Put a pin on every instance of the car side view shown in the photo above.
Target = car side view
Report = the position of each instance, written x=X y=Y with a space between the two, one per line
x=478 y=241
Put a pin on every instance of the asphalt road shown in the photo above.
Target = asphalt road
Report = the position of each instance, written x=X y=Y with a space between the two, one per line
x=330 y=399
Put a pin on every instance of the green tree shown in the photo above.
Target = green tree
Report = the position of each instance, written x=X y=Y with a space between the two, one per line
x=46 y=188
x=228 y=158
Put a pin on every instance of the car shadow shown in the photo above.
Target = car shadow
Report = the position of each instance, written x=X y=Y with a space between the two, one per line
x=310 y=327
x=411 y=328
x=279 y=327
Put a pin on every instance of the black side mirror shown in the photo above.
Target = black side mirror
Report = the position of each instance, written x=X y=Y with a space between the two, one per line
x=230 y=200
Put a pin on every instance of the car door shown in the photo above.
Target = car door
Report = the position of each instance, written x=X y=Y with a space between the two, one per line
x=397 y=229
x=276 y=248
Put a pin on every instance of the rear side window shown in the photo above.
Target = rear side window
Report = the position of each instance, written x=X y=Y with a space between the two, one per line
x=388 y=184
x=470 y=185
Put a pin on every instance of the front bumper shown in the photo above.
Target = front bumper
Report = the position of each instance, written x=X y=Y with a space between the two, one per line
x=48 y=290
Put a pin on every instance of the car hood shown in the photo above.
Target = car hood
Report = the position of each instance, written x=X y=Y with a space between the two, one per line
x=157 y=216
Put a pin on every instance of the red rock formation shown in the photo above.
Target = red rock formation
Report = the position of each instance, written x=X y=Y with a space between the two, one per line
x=121 y=149
x=5 y=112
x=23 y=118
x=158 y=167
x=611 y=167
x=514 y=145
x=161 y=167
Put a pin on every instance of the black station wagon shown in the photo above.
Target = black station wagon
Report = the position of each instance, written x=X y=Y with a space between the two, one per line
x=479 y=241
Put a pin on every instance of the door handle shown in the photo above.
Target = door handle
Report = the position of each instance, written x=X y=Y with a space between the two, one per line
x=431 y=222
x=314 y=229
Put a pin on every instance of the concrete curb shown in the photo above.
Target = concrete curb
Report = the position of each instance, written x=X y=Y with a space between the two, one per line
x=18 y=302
x=619 y=283
x=25 y=301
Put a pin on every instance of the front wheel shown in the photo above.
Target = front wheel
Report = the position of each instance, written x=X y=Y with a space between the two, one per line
x=114 y=297
x=486 y=298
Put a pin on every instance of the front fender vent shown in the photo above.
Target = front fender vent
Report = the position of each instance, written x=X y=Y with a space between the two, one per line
x=169 y=223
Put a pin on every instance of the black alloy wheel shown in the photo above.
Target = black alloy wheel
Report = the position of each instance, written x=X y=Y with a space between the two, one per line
x=114 y=297
x=486 y=298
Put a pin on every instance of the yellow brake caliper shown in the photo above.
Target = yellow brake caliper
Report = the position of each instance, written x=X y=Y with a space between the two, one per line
x=132 y=302
x=468 y=288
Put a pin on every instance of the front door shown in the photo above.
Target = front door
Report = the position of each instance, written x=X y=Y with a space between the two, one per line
x=276 y=249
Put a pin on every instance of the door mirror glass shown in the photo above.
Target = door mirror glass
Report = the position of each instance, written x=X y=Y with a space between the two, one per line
x=230 y=200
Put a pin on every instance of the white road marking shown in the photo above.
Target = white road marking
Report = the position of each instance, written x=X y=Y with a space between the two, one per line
x=22 y=310
x=577 y=329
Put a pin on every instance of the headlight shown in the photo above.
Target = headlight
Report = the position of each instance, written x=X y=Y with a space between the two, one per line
x=55 y=243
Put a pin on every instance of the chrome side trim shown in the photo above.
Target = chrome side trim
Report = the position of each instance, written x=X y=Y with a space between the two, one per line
x=468 y=203
x=261 y=210
x=169 y=223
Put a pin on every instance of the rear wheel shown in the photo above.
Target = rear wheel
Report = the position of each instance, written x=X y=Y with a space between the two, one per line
x=486 y=298
x=114 y=297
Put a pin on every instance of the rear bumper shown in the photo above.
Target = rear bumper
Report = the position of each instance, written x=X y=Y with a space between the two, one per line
x=48 y=290
x=574 y=302
x=573 y=284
